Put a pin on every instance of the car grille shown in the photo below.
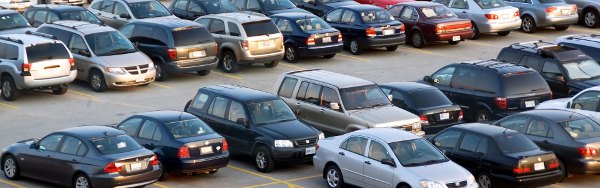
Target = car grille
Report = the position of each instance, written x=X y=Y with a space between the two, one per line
x=304 y=143
x=135 y=70
x=456 y=184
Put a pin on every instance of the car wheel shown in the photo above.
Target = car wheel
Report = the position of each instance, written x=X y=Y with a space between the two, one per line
x=272 y=64
x=329 y=56
x=203 y=72
x=417 y=40
x=10 y=167
x=590 y=18
x=291 y=54
x=60 y=90
x=161 y=72
x=229 y=63
x=485 y=180
x=453 y=42
x=504 y=33
x=97 y=81
x=482 y=115
x=334 y=177
x=81 y=181
x=354 y=48
x=391 y=48
x=163 y=173
x=561 y=27
x=563 y=171
x=9 y=89
x=476 y=32
x=263 y=160
x=528 y=25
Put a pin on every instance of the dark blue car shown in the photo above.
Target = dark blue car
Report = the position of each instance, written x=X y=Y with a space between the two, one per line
x=366 y=26
x=267 y=7
x=307 y=35
x=320 y=7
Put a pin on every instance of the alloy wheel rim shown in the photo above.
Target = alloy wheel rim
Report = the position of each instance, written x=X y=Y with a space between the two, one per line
x=590 y=19
x=81 y=182
x=10 y=167
x=260 y=160
x=290 y=53
x=333 y=178
x=158 y=71
x=416 y=39
x=354 y=46
x=526 y=24
x=483 y=117
x=484 y=181
x=96 y=81
x=6 y=88
x=227 y=60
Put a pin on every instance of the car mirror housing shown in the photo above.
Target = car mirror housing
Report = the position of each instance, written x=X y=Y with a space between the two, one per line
x=390 y=97
x=427 y=79
x=389 y=162
x=125 y=16
x=334 y=106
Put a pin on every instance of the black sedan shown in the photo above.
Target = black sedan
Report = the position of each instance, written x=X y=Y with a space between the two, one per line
x=436 y=111
x=182 y=142
x=498 y=157
x=320 y=7
x=82 y=157
x=268 y=7
x=305 y=35
x=574 y=138
x=366 y=26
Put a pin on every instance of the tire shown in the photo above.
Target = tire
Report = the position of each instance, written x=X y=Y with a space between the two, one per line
x=504 y=33
x=334 y=177
x=561 y=27
x=354 y=47
x=272 y=64
x=81 y=181
x=262 y=160
x=97 y=81
x=60 y=90
x=329 y=56
x=161 y=72
x=528 y=25
x=391 y=48
x=563 y=170
x=482 y=115
x=485 y=180
x=163 y=173
x=10 y=167
x=203 y=72
x=417 y=39
x=9 y=89
x=476 y=33
x=591 y=18
x=453 y=42
x=291 y=54
x=228 y=62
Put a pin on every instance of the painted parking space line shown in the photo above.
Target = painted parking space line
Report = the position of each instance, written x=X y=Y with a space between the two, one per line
x=160 y=185
x=353 y=57
x=9 y=106
x=264 y=176
x=228 y=75
x=161 y=85
x=83 y=94
x=416 y=50
x=11 y=184
x=433 y=53
x=290 y=180
x=557 y=186
x=293 y=66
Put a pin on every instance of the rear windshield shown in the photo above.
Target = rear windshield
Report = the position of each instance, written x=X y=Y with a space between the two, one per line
x=428 y=98
x=438 y=12
x=489 y=4
x=311 y=24
x=188 y=128
x=197 y=35
x=524 y=83
x=551 y=1
x=514 y=142
x=581 y=128
x=46 y=51
x=260 y=28
x=116 y=144
x=376 y=16
x=12 y=21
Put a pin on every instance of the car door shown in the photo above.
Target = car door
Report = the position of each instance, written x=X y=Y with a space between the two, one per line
x=308 y=105
x=470 y=152
x=349 y=21
x=377 y=174
x=121 y=15
x=82 y=55
x=447 y=142
x=352 y=158
x=216 y=119
x=217 y=29
x=40 y=162
x=238 y=125
x=333 y=18
x=149 y=135
x=442 y=80
x=540 y=131
x=555 y=78
x=131 y=126
x=460 y=8
x=409 y=17
x=68 y=158
x=331 y=110
x=285 y=27
x=463 y=88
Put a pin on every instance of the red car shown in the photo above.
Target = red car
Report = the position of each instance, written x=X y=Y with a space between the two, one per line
x=428 y=22
x=382 y=3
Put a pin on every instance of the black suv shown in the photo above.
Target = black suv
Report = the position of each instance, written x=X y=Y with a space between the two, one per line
x=256 y=123
x=40 y=14
x=192 y=9
x=566 y=69
x=490 y=89
x=588 y=44
x=174 y=45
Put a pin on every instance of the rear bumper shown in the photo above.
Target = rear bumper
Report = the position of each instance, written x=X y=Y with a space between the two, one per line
x=201 y=165
x=492 y=27
x=449 y=36
x=535 y=180
x=27 y=82
x=381 y=42
x=321 y=50
x=247 y=58
x=115 y=180
x=562 y=20
x=199 y=64
x=583 y=166
x=291 y=155
x=122 y=80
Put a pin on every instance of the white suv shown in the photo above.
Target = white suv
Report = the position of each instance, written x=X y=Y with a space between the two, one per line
x=34 y=61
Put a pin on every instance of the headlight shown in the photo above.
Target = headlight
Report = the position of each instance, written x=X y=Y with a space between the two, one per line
x=470 y=179
x=283 y=144
x=416 y=126
x=115 y=70
x=151 y=66
x=321 y=136
x=430 y=184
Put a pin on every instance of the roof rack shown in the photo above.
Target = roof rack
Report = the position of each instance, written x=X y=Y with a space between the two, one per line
x=533 y=45
x=19 y=41
x=493 y=64
x=41 y=35
x=76 y=27
x=299 y=71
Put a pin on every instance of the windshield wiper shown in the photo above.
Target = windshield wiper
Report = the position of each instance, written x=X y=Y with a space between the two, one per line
x=118 y=52
x=428 y=162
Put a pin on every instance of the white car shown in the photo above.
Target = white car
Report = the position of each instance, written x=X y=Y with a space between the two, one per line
x=387 y=157
x=585 y=102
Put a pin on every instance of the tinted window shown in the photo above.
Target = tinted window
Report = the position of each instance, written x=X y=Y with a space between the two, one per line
x=376 y=16
x=204 y=21
x=488 y=83
x=447 y=139
x=470 y=142
x=276 y=4
x=107 y=6
x=200 y=101
x=443 y=2
x=46 y=51
x=302 y=91
x=329 y=96
x=514 y=142
x=12 y=52
x=12 y=21
x=284 y=26
x=51 y=142
x=72 y=146
x=348 y=17
x=356 y=145
x=109 y=43
x=234 y=30
x=40 y=16
x=524 y=83
x=236 y=111
x=195 y=8
x=148 y=9
x=539 y=128
x=253 y=5
x=460 y=4
x=148 y=129
x=489 y=4
x=483 y=146
x=188 y=128
x=508 y=55
x=287 y=87
x=416 y=152
x=532 y=62
x=77 y=44
x=428 y=98
x=312 y=94
x=587 y=101
x=551 y=70
x=115 y=144
x=218 y=107
x=120 y=9
x=269 y=112
x=130 y=126
x=82 y=15
x=368 y=96
x=395 y=11
x=96 y=5
x=581 y=128
x=334 y=16
x=193 y=36
x=377 y=151
x=437 y=12
x=218 y=6
x=444 y=76
x=52 y=17
x=181 y=4
x=518 y=123
x=310 y=24
x=260 y=28
x=149 y=35
x=217 y=27
x=465 y=78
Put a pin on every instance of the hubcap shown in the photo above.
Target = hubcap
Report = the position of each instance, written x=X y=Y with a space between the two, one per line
x=354 y=46
x=483 y=117
x=590 y=19
x=95 y=81
x=416 y=39
x=81 y=182
x=333 y=179
x=227 y=61
x=6 y=88
x=9 y=167
x=290 y=53
x=158 y=71
x=261 y=162
x=526 y=24
x=484 y=181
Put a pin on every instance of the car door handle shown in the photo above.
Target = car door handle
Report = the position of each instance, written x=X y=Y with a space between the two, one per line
x=74 y=160
x=342 y=153
x=368 y=162
x=321 y=110
x=298 y=104
x=464 y=12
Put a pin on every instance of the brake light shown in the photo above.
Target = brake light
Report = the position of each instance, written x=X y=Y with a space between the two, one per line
x=468 y=25
x=551 y=10
x=501 y=103
x=216 y=48
x=317 y=147
x=554 y=164
x=574 y=7
x=184 y=152
x=244 y=44
x=72 y=63
x=440 y=29
x=588 y=152
x=113 y=167
x=521 y=170
x=402 y=28
x=172 y=53
x=517 y=13
x=424 y=120
x=370 y=32
x=154 y=160
x=310 y=41
x=340 y=39
x=460 y=115
x=26 y=67
x=225 y=145
x=492 y=16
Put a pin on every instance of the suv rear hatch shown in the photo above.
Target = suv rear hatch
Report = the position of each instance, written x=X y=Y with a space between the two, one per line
x=48 y=60
x=523 y=91
x=193 y=43
x=263 y=37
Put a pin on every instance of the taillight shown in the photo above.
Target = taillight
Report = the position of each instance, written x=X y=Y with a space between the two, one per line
x=26 y=67
x=402 y=28
x=440 y=28
x=244 y=44
x=172 y=53
x=113 y=167
x=492 y=16
x=216 y=48
x=501 y=103
x=517 y=13
x=521 y=170
x=310 y=41
x=225 y=145
x=184 y=152
x=72 y=63
x=460 y=115
x=370 y=32
x=554 y=164
x=587 y=151
x=551 y=9
x=468 y=25
x=317 y=147
x=340 y=39
x=424 y=120
x=154 y=160
x=574 y=7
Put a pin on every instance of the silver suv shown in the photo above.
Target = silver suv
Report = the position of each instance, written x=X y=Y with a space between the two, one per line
x=244 y=38
x=589 y=11
x=338 y=103
x=34 y=61
x=545 y=13
x=103 y=56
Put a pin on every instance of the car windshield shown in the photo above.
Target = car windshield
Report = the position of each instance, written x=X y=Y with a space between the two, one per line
x=46 y=51
x=581 y=128
x=109 y=43
x=489 y=4
x=428 y=98
x=12 y=21
x=218 y=6
x=437 y=12
x=311 y=24
x=188 y=128
x=363 y=97
x=265 y=27
x=551 y=1
x=115 y=144
x=376 y=16
x=191 y=36
x=582 y=69
x=276 y=4
x=416 y=152
x=148 y=9
x=82 y=15
x=514 y=142
x=268 y=112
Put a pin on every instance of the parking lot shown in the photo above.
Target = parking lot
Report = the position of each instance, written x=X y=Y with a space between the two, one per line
x=37 y=113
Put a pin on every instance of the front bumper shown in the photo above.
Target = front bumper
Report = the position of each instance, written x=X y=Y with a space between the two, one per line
x=449 y=36
x=377 y=42
x=495 y=27
x=321 y=50
x=292 y=155
x=122 y=80
x=247 y=58
x=200 y=64
x=558 y=20
x=27 y=82
x=116 y=180
x=534 y=180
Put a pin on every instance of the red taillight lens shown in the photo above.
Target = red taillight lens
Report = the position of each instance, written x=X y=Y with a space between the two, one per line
x=492 y=16
x=112 y=168
x=517 y=13
x=317 y=147
x=501 y=103
x=184 y=152
x=424 y=120
x=26 y=67
x=154 y=160
x=551 y=9
x=521 y=170
x=554 y=164
x=72 y=63
x=440 y=28
x=225 y=145
x=310 y=41
x=402 y=28
x=460 y=115
x=574 y=7
x=371 y=32
x=172 y=53
x=588 y=152
x=216 y=48
x=244 y=44
x=340 y=39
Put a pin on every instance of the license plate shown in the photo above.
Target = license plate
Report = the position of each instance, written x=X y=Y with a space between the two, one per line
x=529 y=104
x=539 y=166
x=326 y=39
x=310 y=151
x=388 y=32
x=266 y=44
x=206 y=150
x=135 y=166
x=505 y=16
x=444 y=116
x=197 y=54
x=565 y=11
x=455 y=38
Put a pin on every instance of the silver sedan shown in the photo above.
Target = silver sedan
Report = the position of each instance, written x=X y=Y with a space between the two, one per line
x=545 y=13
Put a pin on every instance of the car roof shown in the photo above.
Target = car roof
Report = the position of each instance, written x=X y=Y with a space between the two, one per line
x=407 y=86
x=168 y=22
x=30 y=39
x=555 y=115
x=332 y=78
x=594 y=38
x=57 y=7
x=388 y=135
x=167 y=116
x=240 y=93
x=91 y=132
x=242 y=16
x=484 y=129
x=500 y=66
x=420 y=3
x=361 y=7
x=294 y=15
x=135 y=1
x=560 y=52
x=81 y=26
x=7 y=11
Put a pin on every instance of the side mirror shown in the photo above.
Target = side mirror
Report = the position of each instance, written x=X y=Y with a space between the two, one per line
x=390 y=97
x=389 y=162
x=334 y=106
x=84 y=52
x=569 y=104
x=125 y=16
x=427 y=79
x=242 y=121
x=136 y=44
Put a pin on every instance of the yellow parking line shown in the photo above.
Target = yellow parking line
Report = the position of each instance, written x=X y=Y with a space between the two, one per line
x=352 y=57
x=293 y=66
x=12 y=184
x=9 y=106
x=290 y=180
x=160 y=185
x=303 y=178
x=161 y=85
x=417 y=50
x=264 y=176
x=228 y=75
x=480 y=43
x=83 y=94
x=557 y=186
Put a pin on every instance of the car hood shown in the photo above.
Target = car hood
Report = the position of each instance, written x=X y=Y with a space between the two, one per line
x=17 y=31
x=387 y=116
x=339 y=4
x=287 y=130
x=554 y=104
x=125 y=60
x=298 y=10
x=443 y=173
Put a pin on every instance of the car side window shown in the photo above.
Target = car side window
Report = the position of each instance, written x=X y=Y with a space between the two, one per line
x=127 y=30
x=444 y=76
x=96 y=6
x=130 y=126
x=395 y=11
x=539 y=127
x=482 y=147
x=236 y=111
x=470 y=142
x=148 y=131
x=234 y=30
x=460 y=4
x=29 y=15
x=585 y=101
x=443 y=2
x=518 y=123
x=181 y=4
x=302 y=91
x=200 y=101
x=355 y=145
x=239 y=4
x=52 y=17
x=334 y=16
x=447 y=139
x=107 y=6
x=508 y=55
x=551 y=70
x=312 y=94
x=72 y=146
x=40 y=16
x=195 y=8
x=348 y=17
x=415 y=15
x=50 y=143
x=488 y=83
x=218 y=107
x=253 y=5
x=149 y=35
x=217 y=27
x=287 y=87
x=120 y=9
x=329 y=96
x=284 y=26
x=12 y=52
x=398 y=99
x=464 y=78
x=77 y=45
x=377 y=151
x=406 y=13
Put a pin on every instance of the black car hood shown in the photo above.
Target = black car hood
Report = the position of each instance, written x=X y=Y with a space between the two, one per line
x=287 y=130
x=272 y=12
x=339 y=4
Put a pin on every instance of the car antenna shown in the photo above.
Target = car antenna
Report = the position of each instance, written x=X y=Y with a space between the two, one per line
x=180 y=116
